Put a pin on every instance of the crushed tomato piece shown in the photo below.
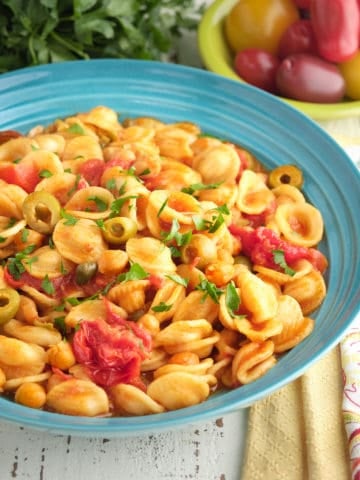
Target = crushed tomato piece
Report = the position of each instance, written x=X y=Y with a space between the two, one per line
x=259 y=244
x=111 y=350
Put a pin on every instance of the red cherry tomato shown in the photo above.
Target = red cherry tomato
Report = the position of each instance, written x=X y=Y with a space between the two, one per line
x=309 y=78
x=92 y=170
x=298 y=38
x=336 y=26
x=302 y=3
x=257 y=67
x=25 y=176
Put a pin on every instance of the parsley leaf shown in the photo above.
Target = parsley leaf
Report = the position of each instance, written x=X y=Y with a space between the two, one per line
x=70 y=219
x=76 y=128
x=162 y=307
x=232 y=300
x=47 y=285
x=209 y=289
x=194 y=187
x=177 y=279
x=136 y=272
x=279 y=259
x=37 y=32
x=101 y=205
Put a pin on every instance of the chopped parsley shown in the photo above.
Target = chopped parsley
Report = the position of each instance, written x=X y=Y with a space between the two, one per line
x=47 y=285
x=136 y=272
x=162 y=307
x=70 y=219
x=177 y=279
x=209 y=289
x=15 y=265
x=45 y=173
x=76 y=128
x=279 y=259
x=101 y=205
x=195 y=187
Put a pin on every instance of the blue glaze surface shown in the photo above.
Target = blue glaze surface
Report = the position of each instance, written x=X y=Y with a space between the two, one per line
x=271 y=129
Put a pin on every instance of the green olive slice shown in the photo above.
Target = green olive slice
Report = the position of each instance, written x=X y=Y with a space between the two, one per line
x=118 y=230
x=286 y=174
x=41 y=211
x=85 y=272
x=9 y=304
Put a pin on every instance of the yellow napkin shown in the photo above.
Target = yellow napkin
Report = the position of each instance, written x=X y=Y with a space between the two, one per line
x=298 y=432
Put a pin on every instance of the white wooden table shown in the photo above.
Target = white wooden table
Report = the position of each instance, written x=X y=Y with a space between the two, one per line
x=208 y=451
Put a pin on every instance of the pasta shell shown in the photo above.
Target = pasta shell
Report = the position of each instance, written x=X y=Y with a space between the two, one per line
x=16 y=148
x=91 y=202
x=287 y=194
x=158 y=357
x=260 y=331
x=309 y=290
x=300 y=223
x=295 y=326
x=171 y=294
x=179 y=390
x=252 y=361
x=79 y=149
x=46 y=261
x=43 y=336
x=151 y=254
x=200 y=368
x=78 y=397
x=253 y=196
x=183 y=331
x=219 y=163
x=104 y=119
x=134 y=401
x=43 y=160
x=52 y=142
x=257 y=296
x=195 y=307
x=91 y=310
x=61 y=185
x=129 y=295
x=79 y=242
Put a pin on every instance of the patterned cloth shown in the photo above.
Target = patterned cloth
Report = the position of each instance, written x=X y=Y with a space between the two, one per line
x=350 y=359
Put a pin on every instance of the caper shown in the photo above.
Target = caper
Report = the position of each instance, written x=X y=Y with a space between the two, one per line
x=85 y=272
x=9 y=304
x=118 y=230
x=286 y=174
x=41 y=211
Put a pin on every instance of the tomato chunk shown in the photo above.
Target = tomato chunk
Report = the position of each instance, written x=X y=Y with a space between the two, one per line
x=25 y=176
x=260 y=243
x=111 y=350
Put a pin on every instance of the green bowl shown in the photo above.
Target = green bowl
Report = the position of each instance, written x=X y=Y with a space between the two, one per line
x=218 y=58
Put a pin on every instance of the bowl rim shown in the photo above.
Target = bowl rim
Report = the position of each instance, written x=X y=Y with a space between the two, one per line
x=192 y=80
x=215 y=55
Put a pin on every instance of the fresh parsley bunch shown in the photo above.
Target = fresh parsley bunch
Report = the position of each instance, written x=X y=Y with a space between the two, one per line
x=34 y=32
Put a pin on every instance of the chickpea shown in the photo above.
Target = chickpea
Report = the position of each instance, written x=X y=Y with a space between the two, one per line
x=31 y=395
x=61 y=355
x=184 y=358
x=219 y=273
x=201 y=248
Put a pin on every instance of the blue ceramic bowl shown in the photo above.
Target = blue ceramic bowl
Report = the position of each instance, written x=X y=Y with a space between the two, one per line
x=275 y=132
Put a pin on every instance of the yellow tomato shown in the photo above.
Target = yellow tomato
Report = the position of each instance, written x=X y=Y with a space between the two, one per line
x=350 y=70
x=259 y=23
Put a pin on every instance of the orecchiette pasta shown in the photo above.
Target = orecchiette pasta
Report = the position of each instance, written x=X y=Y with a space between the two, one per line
x=146 y=265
